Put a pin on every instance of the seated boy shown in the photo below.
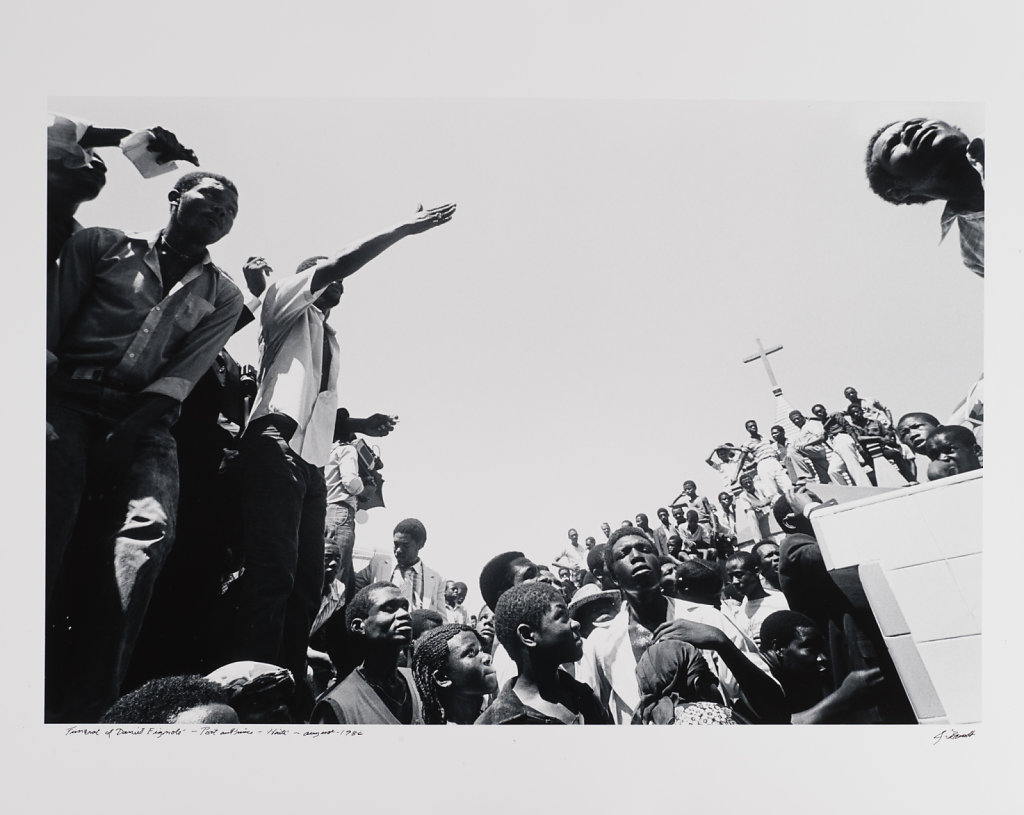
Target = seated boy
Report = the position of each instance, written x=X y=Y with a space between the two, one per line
x=378 y=691
x=533 y=624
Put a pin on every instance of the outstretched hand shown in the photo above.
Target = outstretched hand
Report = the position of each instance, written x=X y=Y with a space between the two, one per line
x=860 y=684
x=425 y=219
x=379 y=424
x=167 y=147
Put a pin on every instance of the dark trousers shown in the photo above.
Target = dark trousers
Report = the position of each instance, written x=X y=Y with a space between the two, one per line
x=106 y=540
x=284 y=501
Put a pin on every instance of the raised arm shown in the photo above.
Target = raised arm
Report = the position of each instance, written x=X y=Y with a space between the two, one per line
x=357 y=255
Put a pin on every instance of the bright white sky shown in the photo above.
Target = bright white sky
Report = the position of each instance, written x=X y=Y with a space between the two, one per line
x=569 y=348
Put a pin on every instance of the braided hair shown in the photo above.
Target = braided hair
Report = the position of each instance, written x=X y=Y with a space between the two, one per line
x=430 y=654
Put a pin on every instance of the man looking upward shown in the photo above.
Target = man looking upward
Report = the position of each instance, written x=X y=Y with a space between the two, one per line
x=133 y=321
x=921 y=160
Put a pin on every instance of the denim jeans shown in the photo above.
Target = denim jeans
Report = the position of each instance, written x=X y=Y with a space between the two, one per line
x=339 y=540
x=284 y=501
x=105 y=544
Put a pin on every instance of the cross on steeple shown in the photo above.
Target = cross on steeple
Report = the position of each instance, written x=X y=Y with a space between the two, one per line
x=762 y=354
x=782 y=407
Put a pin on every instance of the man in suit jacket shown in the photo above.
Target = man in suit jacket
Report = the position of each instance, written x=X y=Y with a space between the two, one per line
x=420 y=585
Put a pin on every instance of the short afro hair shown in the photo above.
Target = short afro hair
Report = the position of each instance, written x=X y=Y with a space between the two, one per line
x=882 y=182
x=921 y=415
x=779 y=628
x=699 y=577
x=526 y=604
x=497 y=576
x=412 y=527
x=748 y=561
x=949 y=432
x=158 y=701
x=780 y=509
x=361 y=602
x=617 y=535
x=759 y=544
x=309 y=263
x=424 y=620
x=595 y=557
x=189 y=180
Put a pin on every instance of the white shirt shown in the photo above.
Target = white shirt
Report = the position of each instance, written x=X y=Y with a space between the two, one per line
x=291 y=355
x=416 y=579
x=342 y=475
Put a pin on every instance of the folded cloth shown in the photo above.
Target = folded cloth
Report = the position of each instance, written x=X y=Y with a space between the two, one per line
x=674 y=680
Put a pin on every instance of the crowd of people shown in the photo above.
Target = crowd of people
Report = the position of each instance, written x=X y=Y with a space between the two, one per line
x=200 y=514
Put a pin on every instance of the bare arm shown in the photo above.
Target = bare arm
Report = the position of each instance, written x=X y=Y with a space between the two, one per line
x=354 y=257
x=761 y=691
x=856 y=687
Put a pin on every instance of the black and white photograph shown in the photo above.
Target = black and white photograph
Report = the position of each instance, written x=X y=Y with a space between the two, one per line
x=579 y=403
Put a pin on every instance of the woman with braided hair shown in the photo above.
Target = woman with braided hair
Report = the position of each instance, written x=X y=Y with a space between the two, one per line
x=453 y=674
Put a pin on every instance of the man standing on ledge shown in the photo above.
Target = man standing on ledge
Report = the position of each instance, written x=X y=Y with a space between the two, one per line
x=285 y=447
x=133 y=321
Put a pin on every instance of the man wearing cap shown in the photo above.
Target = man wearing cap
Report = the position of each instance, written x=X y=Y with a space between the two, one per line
x=286 y=445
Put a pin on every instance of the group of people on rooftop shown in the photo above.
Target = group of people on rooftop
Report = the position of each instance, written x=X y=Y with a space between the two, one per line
x=200 y=514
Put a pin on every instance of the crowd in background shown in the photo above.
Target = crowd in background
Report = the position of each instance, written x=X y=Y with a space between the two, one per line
x=201 y=514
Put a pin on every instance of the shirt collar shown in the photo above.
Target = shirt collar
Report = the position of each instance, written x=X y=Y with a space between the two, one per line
x=950 y=212
x=151 y=237
x=416 y=567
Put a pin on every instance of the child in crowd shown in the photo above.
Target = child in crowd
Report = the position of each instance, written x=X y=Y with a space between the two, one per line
x=533 y=624
x=954 y=445
x=453 y=674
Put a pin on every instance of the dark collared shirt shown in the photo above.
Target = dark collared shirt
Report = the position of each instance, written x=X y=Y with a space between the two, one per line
x=508 y=708
x=108 y=311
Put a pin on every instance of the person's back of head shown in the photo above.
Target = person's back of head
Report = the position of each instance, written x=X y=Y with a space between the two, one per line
x=173 y=700
x=423 y=620
x=790 y=521
x=699 y=582
x=499 y=574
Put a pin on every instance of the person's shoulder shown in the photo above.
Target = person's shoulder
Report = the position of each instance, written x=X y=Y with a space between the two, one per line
x=97 y=236
x=587 y=701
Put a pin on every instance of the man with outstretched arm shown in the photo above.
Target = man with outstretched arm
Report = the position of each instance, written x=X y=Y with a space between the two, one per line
x=285 y=447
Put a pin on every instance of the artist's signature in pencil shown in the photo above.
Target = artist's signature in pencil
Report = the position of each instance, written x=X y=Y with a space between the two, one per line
x=950 y=735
